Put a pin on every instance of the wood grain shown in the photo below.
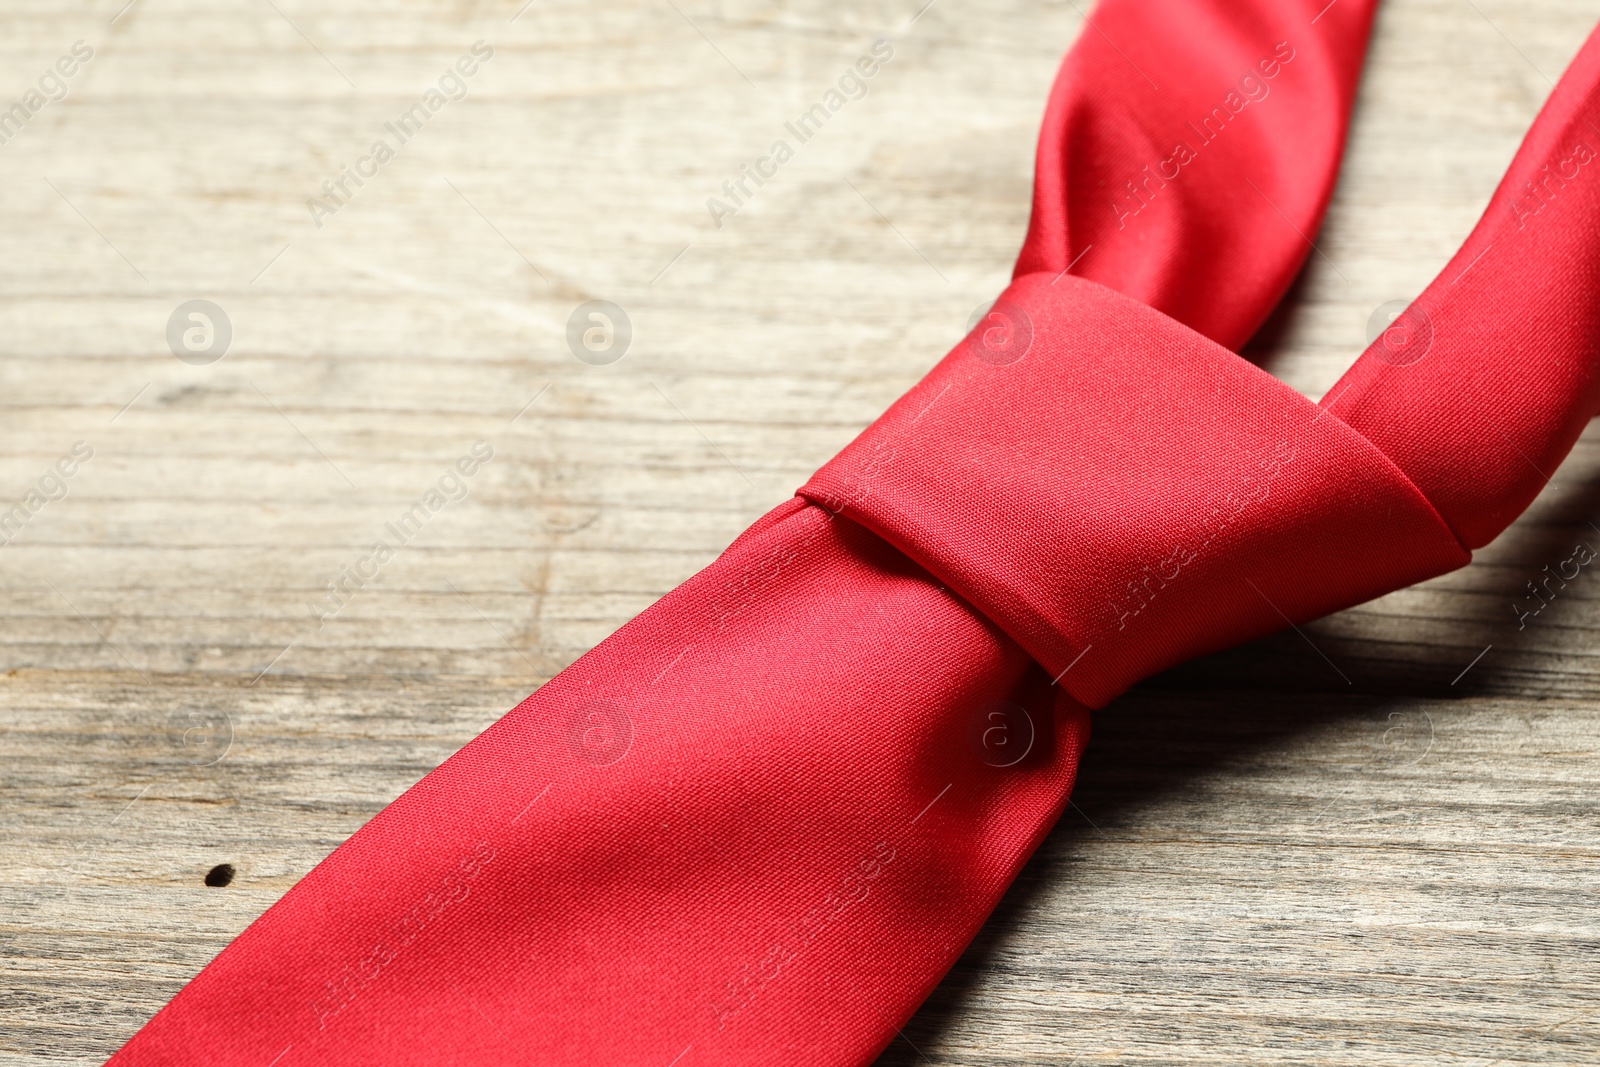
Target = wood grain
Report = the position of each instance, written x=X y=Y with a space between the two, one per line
x=1263 y=863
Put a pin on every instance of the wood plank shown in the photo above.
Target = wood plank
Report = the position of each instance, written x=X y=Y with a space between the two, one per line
x=1263 y=862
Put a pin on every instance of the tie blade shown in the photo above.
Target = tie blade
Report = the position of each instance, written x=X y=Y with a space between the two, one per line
x=757 y=824
x=1480 y=388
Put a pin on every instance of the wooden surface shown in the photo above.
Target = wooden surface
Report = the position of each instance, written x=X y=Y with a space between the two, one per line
x=1263 y=863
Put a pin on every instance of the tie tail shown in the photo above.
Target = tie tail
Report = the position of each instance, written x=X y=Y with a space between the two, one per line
x=1480 y=388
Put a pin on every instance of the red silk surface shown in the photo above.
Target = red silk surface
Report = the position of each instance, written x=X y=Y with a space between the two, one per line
x=758 y=823
x=1189 y=149
x=1128 y=494
x=1485 y=382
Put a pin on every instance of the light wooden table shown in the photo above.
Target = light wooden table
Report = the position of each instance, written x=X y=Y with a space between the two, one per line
x=1262 y=864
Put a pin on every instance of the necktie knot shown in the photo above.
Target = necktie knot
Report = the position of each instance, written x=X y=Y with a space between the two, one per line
x=1119 y=493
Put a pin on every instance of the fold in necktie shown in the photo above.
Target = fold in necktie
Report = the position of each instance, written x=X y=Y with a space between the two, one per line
x=758 y=823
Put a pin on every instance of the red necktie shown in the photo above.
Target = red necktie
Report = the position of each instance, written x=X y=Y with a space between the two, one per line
x=759 y=823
